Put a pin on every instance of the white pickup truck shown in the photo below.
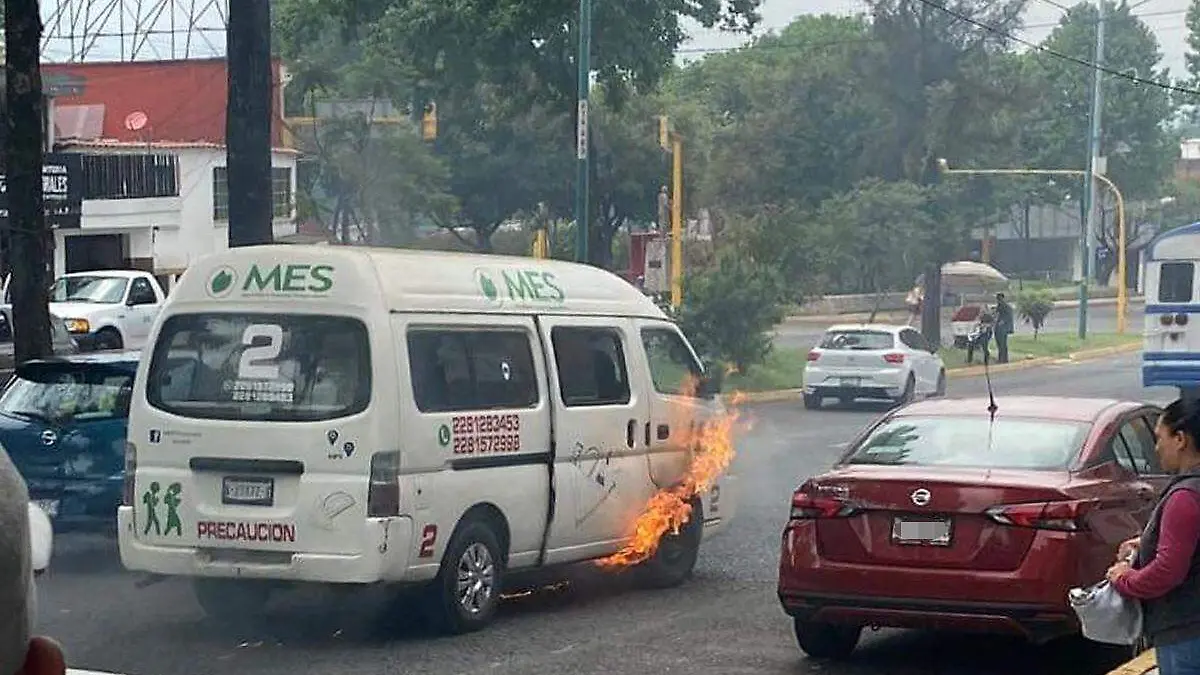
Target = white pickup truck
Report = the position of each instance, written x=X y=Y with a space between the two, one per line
x=108 y=309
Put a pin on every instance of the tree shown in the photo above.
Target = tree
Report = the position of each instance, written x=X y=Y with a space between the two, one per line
x=790 y=115
x=248 y=123
x=881 y=227
x=24 y=144
x=931 y=69
x=1139 y=148
x=729 y=309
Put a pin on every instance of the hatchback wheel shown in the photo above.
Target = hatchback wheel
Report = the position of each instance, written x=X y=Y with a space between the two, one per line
x=941 y=385
x=827 y=640
x=910 y=391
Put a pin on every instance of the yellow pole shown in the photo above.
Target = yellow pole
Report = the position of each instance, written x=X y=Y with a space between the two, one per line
x=1122 y=287
x=540 y=245
x=677 y=222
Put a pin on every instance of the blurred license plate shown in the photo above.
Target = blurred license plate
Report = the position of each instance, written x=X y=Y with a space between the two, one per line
x=921 y=532
x=248 y=491
x=50 y=506
x=851 y=381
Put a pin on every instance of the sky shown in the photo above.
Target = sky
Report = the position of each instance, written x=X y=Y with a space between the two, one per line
x=1165 y=17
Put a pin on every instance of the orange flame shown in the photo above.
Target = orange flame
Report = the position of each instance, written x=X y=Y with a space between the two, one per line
x=670 y=508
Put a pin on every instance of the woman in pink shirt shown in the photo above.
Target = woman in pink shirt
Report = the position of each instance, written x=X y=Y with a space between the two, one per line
x=1165 y=572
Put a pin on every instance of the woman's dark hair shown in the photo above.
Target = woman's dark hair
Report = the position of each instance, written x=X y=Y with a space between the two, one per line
x=1183 y=415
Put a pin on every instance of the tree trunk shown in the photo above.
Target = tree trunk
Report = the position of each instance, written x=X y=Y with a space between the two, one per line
x=931 y=308
x=248 y=123
x=23 y=158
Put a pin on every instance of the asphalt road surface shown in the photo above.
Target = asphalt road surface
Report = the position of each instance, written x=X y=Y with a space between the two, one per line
x=724 y=622
x=805 y=334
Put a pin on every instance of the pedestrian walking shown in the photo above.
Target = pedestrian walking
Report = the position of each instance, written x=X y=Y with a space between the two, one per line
x=1165 y=572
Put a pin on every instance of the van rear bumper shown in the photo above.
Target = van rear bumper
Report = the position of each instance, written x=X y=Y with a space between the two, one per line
x=387 y=542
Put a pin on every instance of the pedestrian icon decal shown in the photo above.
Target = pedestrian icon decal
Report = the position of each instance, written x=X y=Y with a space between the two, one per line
x=172 y=499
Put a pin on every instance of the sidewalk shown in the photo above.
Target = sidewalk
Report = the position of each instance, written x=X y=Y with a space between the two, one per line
x=890 y=315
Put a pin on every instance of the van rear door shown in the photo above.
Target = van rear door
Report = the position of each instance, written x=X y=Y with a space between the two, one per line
x=257 y=433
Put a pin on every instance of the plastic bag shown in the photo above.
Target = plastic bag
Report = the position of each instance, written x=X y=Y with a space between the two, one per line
x=1106 y=615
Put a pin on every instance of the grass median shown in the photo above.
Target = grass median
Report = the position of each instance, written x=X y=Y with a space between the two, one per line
x=784 y=368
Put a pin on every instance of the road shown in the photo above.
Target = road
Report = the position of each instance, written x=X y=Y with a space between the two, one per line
x=805 y=334
x=726 y=621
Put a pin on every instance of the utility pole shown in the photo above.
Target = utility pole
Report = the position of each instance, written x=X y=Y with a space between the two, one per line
x=24 y=145
x=248 y=117
x=1090 y=203
x=676 y=221
x=581 y=131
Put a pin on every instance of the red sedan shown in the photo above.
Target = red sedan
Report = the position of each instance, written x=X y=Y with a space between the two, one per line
x=940 y=517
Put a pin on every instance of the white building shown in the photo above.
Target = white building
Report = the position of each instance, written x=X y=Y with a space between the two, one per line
x=162 y=234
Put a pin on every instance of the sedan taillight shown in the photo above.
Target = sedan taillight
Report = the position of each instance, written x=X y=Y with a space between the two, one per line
x=810 y=507
x=1064 y=516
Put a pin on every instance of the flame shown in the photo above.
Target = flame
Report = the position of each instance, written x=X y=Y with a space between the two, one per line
x=670 y=508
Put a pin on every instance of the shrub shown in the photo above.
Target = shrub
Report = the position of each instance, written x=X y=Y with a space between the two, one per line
x=1034 y=305
x=730 y=308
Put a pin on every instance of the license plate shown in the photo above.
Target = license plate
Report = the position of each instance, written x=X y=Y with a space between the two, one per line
x=921 y=532
x=851 y=381
x=248 y=491
x=50 y=506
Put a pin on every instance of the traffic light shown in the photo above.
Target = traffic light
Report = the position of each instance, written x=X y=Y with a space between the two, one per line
x=664 y=132
x=429 y=122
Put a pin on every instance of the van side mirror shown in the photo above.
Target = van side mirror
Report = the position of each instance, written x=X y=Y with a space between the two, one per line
x=711 y=382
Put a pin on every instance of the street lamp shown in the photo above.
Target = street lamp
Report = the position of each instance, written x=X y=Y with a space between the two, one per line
x=1122 y=288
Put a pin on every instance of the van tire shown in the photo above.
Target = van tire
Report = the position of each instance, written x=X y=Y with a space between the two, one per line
x=675 y=559
x=475 y=550
x=231 y=601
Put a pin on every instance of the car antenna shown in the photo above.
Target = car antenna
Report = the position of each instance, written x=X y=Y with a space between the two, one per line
x=987 y=377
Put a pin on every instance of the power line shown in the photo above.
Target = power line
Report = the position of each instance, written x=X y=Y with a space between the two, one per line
x=1057 y=54
x=868 y=40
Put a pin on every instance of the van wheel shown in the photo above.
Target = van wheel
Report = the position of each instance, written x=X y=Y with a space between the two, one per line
x=108 y=338
x=230 y=601
x=827 y=640
x=675 y=559
x=466 y=592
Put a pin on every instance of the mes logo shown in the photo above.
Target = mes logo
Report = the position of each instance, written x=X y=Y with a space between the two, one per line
x=297 y=279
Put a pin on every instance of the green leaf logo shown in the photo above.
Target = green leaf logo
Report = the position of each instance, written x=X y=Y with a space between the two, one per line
x=221 y=282
x=488 y=287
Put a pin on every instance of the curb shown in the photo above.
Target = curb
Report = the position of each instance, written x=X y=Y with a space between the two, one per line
x=1144 y=664
x=853 y=316
x=955 y=373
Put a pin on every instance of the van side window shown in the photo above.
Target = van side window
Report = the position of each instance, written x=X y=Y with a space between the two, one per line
x=471 y=369
x=1175 y=281
x=673 y=369
x=591 y=366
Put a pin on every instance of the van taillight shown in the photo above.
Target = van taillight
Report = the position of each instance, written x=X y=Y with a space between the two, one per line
x=383 y=494
x=130 y=473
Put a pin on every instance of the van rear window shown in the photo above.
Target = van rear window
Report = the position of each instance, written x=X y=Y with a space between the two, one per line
x=276 y=367
x=1175 y=281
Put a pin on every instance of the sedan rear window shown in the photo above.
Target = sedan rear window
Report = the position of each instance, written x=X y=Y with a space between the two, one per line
x=973 y=441
x=277 y=367
x=858 y=339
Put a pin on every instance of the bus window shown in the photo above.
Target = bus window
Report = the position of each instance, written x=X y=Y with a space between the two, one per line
x=1175 y=282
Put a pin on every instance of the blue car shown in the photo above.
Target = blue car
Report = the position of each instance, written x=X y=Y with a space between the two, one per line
x=62 y=421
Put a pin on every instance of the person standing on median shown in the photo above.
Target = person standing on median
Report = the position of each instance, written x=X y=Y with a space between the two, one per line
x=1165 y=571
x=1004 y=327
x=20 y=652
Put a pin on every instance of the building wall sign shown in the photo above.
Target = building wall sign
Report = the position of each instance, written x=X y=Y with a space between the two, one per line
x=62 y=189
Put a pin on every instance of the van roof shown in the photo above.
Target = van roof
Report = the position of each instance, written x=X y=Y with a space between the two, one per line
x=410 y=281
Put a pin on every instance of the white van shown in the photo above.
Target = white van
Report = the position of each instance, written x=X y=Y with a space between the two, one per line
x=354 y=415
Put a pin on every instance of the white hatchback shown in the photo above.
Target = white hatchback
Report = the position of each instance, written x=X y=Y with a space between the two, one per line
x=876 y=361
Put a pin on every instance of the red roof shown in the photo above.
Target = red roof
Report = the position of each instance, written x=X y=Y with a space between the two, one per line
x=1064 y=409
x=183 y=101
